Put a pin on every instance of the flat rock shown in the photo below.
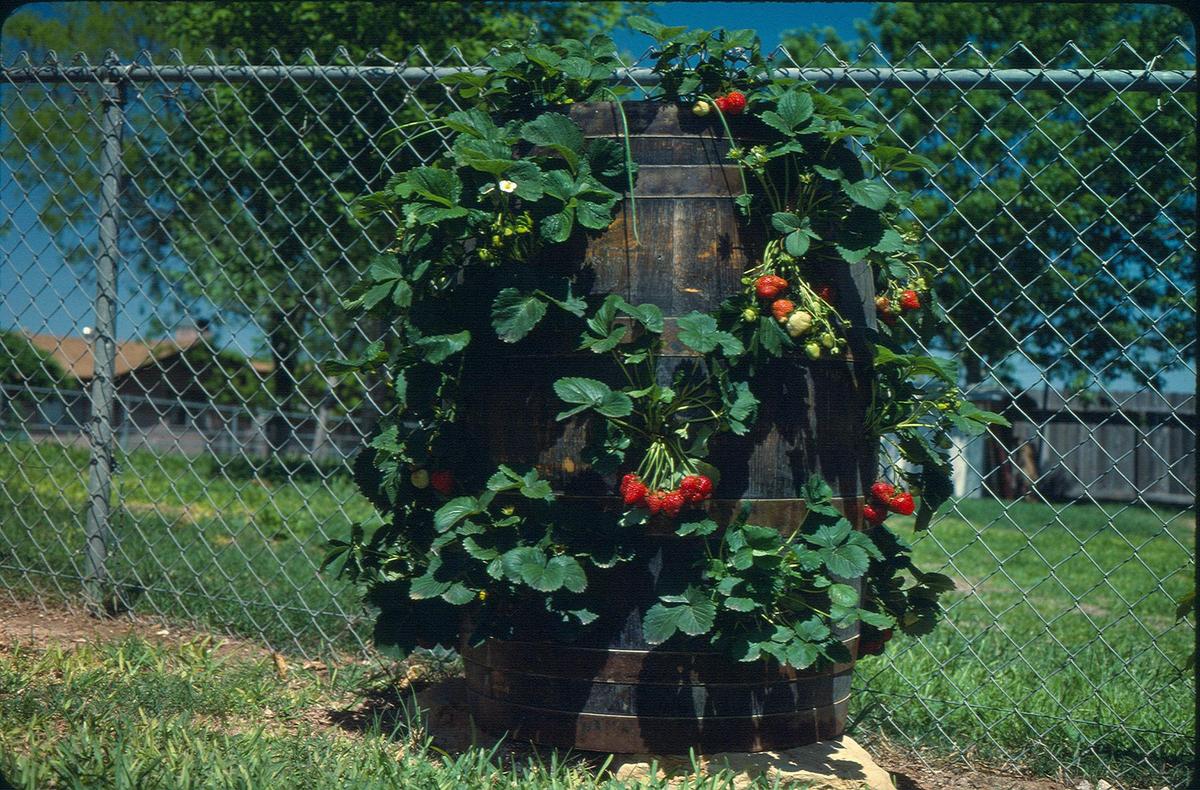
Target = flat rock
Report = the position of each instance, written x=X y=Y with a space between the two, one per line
x=829 y=765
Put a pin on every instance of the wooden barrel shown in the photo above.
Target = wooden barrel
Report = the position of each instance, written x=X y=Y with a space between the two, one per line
x=609 y=690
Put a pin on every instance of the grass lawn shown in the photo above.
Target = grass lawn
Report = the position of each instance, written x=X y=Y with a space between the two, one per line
x=133 y=714
x=214 y=545
x=1060 y=647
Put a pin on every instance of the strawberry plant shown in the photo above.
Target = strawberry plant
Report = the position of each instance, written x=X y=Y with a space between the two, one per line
x=467 y=273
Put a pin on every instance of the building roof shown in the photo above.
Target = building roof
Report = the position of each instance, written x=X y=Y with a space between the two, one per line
x=75 y=356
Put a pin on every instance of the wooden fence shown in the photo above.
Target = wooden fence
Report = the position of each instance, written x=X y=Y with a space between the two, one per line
x=1126 y=447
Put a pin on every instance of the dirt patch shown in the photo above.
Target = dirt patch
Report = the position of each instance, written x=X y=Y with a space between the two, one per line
x=910 y=776
x=40 y=626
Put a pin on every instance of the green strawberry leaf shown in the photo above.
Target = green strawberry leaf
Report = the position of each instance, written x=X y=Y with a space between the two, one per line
x=830 y=535
x=515 y=314
x=440 y=186
x=438 y=347
x=847 y=561
x=458 y=594
x=741 y=604
x=528 y=178
x=785 y=221
x=454 y=511
x=606 y=158
x=427 y=586
x=812 y=629
x=693 y=613
x=573 y=577
x=843 y=595
x=533 y=487
x=796 y=243
x=771 y=336
x=557 y=228
x=795 y=107
x=558 y=133
x=867 y=193
x=699 y=332
x=800 y=655
x=474 y=123
x=591 y=394
x=891 y=241
x=877 y=619
x=705 y=527
x=504 y=479
x=648 y=315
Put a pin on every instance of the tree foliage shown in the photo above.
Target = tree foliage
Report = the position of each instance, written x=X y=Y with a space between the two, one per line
x=1064 y=219
x=24 y=365
x=235 y=196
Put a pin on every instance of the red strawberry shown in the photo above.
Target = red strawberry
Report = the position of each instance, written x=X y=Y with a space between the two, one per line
x=654 y=501
x=874 y=515
x=769 y=286
x=909 y=300
x=687 y=487
x=782 y=308
x=635 y=494
x=442 y=481
x=735 y=102
x=883 y=492
x=696 y=488
x=628 y=480
x=826 y=293
x=672 y=503
x=902 y=503
x=722 y=104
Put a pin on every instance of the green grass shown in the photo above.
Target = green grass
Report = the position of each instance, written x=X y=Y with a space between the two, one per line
x=132 y=714
x=200 y=540
x=1052 y=654
x=1061 y=644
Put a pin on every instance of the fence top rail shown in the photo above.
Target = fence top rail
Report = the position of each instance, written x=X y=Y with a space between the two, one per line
x=1142 y=80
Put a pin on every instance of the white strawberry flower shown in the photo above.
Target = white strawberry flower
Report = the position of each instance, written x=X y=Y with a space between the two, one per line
x=508 y=186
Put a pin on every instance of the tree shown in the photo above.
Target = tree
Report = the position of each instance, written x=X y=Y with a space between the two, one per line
x=235 y=196
x=23 y=365
x=1064 y=220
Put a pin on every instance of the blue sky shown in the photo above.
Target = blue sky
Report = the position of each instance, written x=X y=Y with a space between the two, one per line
x=771 y=20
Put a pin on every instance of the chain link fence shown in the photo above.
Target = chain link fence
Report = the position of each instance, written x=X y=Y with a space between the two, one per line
x=175 y=238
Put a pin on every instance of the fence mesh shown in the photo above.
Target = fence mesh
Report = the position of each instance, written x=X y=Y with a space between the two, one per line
x=207 y=207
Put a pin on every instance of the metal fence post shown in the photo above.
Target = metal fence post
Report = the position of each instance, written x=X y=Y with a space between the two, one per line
x=96 y=530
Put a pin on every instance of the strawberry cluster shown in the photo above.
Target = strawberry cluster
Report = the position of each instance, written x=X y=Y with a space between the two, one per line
x=441 y=480
x=799 y=320
x=692 y=490
x=732 y=103
x=886 y=498
x=889 y=309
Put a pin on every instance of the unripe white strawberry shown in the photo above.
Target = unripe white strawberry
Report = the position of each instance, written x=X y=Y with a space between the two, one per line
x=799 y=322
